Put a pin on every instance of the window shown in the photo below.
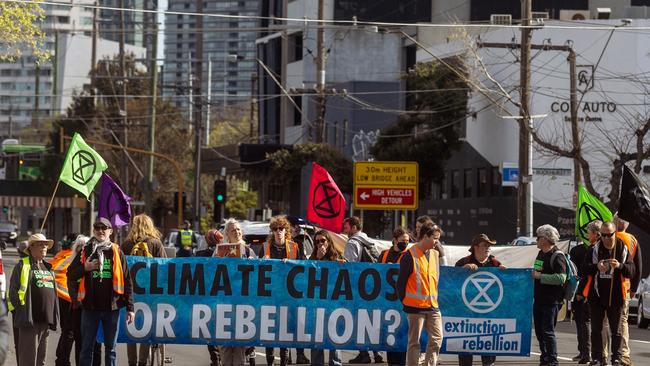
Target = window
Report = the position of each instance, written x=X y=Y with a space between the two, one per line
x=467 y=183
x=496 y=181
x=455 y=184
x=62 y=19
x=295 y=47
x=297 y=116
x=179 y=36
x=444 y=191
x=482 y=186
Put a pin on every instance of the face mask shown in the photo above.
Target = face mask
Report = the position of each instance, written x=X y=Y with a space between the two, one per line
x=401 y=245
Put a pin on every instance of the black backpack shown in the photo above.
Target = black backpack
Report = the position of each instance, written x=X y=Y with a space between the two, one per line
x=369 y=252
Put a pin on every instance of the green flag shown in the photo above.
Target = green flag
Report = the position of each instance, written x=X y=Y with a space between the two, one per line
x=82 y=167
x=589 y=209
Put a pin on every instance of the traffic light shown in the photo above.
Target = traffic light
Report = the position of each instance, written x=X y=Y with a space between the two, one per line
x=219 y=197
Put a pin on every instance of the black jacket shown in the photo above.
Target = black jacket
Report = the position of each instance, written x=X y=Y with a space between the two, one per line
x=76 y=272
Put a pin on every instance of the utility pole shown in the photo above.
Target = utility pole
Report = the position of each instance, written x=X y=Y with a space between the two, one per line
x=123 y=111
x=152 y=121
x=93 y=54
x=320 y=76
x=208 y=107
x=199 y=117
x=37 y=91
x=575 y=130
x=253 y=102
x=190 y=84
x=525 y=190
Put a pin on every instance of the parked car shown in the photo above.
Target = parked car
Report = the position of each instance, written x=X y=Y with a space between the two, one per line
x=639 y=306
x=8 y=232
x=524 y=240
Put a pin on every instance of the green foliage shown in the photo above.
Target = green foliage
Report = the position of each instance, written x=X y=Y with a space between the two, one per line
x=102 y=121
x=287 y=164
x=20 y=31
x=434 y=135
x=239 y=201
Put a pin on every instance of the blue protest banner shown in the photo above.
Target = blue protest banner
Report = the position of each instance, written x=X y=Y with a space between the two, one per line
x=272 y=303
x=319 y=304
x=487 y=311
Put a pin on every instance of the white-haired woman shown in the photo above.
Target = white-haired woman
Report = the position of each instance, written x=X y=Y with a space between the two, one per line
x=236 y=355
x=549 y=274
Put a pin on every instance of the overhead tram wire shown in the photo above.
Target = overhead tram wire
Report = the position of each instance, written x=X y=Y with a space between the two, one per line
x=355 y=23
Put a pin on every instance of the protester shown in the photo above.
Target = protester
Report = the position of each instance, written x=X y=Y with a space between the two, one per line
x=21 y=248
x=480 y=257
x=548 y=293
x=60 y=264
x=607 y=265
x=105 y=287
x=325 y=250
x=213 y=237
x=358 y=242
x=32 y=293
x=185 y=240
x=234 y=355
x=426 y=220
x=580 y=308
x=417 y=286
x=279 y=245
x=401 y=240
x=306 y=245
x=632 y=284
x=143 y=240
x=5 y=328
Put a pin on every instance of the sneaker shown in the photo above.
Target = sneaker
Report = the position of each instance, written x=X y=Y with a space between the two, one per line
x=301 y=359
x=576 y=358
x=168 y=359
x=361 y=358
x=584 y=361
x=378 y=358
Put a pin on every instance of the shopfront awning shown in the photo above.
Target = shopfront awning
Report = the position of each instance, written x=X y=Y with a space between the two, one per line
x=39 y=201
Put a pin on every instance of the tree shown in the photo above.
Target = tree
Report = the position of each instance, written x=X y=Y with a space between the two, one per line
x=102 y=121
x=288 y=164
x=428 y=134
x=19 y=31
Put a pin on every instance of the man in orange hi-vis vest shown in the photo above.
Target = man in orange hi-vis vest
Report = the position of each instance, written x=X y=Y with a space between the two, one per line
x=417 y=286
x=631 y=284
x=104 y=289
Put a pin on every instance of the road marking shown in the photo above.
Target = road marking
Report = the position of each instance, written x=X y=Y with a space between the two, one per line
x=644 y=342
x=558 y=357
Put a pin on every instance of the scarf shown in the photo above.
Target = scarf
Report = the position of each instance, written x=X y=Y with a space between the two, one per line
x=99 y=248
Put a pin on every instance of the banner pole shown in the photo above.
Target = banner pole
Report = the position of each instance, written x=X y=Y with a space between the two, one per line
x=49 y=206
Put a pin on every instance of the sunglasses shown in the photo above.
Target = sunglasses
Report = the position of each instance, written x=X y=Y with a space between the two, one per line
x=100 y=227
x=607 y=235
x=320 y=241
x=277 y=229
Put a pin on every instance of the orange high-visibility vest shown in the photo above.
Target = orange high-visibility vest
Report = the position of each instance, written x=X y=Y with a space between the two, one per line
x=118 y=274
x=383 y=258
x=422 y=284
x=590 y=278
x=290 y=246
x=632 y=246
x=60 y=264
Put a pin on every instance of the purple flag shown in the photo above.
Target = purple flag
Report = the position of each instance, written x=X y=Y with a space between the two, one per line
x=113 y=203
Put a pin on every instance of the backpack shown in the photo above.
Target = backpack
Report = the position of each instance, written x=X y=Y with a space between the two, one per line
x=141 y=249
x=571 y=282
x=369 y=252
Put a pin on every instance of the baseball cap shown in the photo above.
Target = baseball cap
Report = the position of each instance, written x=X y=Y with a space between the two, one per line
x=103 y=221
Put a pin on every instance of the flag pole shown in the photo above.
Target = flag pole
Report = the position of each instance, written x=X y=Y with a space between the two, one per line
x=49 y=206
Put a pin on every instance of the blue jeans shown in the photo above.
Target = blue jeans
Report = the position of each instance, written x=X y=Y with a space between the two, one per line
x=318 y=357
x=545 y=317
x=90 y=320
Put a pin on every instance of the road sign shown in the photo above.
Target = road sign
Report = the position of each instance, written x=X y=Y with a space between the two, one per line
x=509 y=174
x=385 y=185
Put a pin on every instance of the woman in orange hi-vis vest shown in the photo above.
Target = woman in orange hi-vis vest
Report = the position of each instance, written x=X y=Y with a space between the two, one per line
x=105 y=287
x=417 y=286
x=279 y=246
